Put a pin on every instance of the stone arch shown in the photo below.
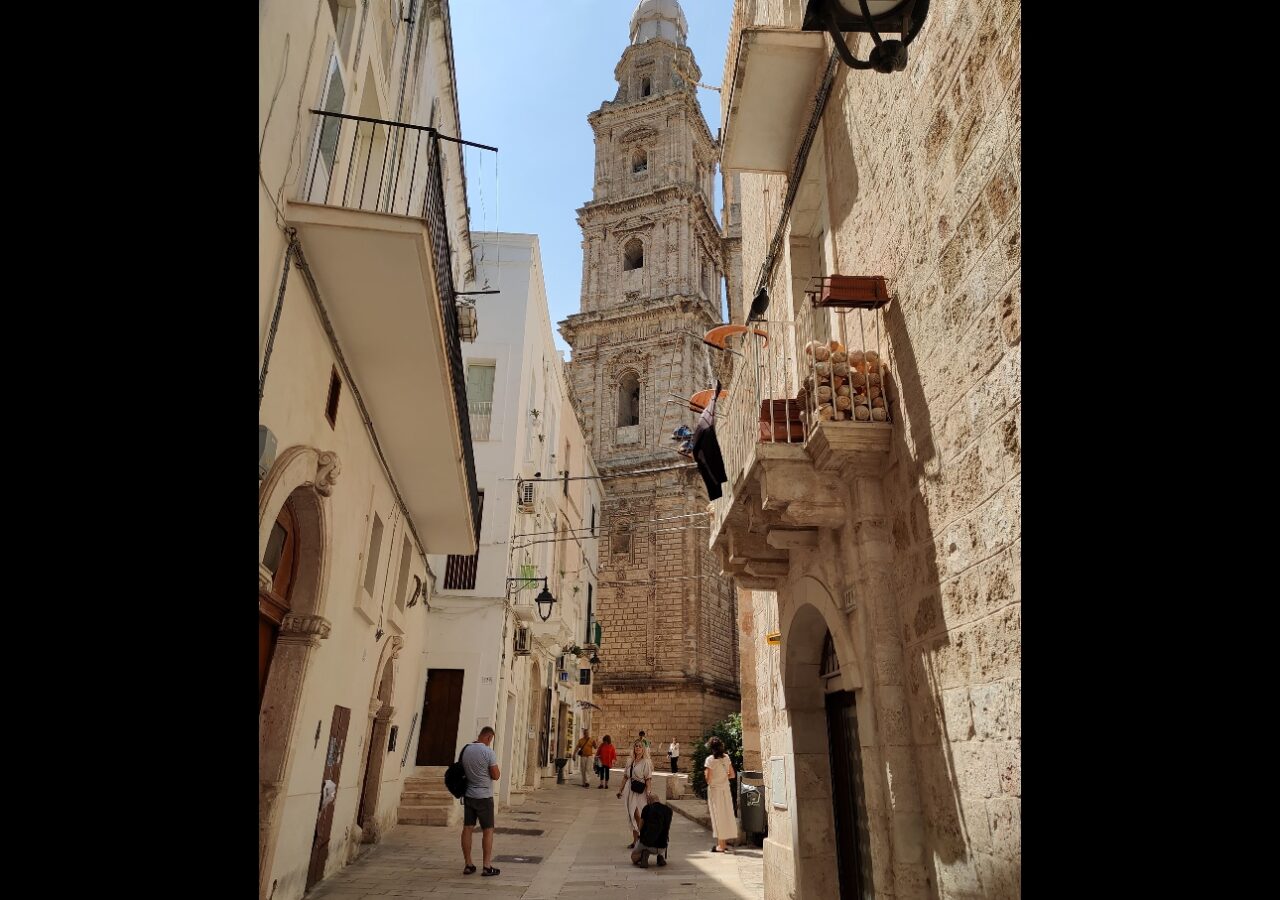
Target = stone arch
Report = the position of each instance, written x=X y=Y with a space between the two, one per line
x=379 y=726
x=304 y=477
x=629 y=394
x=805 y=626
x=633 y=253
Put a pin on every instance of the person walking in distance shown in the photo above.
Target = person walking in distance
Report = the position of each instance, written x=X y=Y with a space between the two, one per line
x=481 y=764
x=637 y=789
x=718 y=771
x=673 y=753
x=608 y=753
x=586 y=754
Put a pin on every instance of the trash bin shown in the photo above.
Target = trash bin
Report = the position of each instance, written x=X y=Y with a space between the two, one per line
x=561 y=762
x=751 y=805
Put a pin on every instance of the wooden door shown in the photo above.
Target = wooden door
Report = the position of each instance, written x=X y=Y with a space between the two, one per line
x=544 y=731
x=853 y=840
x=328 y=798
x=440 y=710
x=273 y=604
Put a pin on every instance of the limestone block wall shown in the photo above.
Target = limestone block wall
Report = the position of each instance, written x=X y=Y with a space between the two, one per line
x=924 y=187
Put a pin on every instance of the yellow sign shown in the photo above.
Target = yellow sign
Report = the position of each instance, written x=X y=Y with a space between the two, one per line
x=773 y=638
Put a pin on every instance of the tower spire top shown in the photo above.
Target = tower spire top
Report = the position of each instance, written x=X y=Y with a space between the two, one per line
x=659 y=19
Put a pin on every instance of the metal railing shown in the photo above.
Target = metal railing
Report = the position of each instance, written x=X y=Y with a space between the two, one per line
x=827 y=365
x=481 y=415
x=358 y=162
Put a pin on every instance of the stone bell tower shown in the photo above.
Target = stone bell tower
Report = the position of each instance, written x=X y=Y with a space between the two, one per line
x=651 y=275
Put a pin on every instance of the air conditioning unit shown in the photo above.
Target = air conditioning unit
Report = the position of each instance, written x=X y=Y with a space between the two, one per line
x=522 y=641
x=526 y=498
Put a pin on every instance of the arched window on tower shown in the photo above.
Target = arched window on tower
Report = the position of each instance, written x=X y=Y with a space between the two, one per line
x=639 y=161
x=646 y=86
x=633 y=255
x=629 y=400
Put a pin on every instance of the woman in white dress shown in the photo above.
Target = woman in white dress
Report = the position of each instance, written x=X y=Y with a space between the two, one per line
x=718 y=769
x=639 y=771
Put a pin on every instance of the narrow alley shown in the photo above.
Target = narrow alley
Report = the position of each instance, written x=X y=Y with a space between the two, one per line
x=562 y=842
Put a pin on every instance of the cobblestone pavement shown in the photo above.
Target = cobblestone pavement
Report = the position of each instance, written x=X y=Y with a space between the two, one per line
x=579 y=852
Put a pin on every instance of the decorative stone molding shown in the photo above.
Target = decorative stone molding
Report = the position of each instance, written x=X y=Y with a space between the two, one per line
x=385 y=713
x=375 y=704
x=304 y=628
x=328 y=468
x=397 y=644
x=265 y=579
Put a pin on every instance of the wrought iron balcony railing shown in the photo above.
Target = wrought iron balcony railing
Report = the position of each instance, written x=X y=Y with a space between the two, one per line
x=826 y=365
x=357 y=162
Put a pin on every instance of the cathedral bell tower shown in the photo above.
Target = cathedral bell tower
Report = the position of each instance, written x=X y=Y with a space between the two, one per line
x=652 y=268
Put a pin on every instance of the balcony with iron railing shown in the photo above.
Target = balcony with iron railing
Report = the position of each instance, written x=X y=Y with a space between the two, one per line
x=809 y=409
x=372 y=220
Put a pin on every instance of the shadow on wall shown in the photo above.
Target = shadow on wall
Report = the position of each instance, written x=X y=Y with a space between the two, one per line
x=914 y=474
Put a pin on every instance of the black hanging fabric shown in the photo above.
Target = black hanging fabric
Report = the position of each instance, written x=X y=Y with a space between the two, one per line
x=706 y=449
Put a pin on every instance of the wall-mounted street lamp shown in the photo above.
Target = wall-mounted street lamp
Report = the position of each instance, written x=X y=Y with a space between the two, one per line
x=544 y=600
x=595 y=661
x=904 y=17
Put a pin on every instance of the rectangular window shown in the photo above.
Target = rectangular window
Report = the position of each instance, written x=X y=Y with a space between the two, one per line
x=402 y=586
x=480 y=380
x=331 y=405
x=375 y=551
x=584 y=676
x=460 y=571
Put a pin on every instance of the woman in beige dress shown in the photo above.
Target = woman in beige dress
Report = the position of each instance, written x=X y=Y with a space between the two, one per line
x=717 y=770
x=640 y=770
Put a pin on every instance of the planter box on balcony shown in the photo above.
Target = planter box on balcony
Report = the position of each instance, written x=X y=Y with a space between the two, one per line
x=780 y=421
x=851 y=292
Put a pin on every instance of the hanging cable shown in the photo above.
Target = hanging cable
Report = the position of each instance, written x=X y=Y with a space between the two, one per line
x=275 y=317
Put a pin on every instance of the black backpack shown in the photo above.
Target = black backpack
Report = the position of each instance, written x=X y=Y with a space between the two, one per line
x=455 y=777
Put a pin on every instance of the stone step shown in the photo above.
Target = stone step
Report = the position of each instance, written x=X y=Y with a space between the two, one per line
x=430 y=815
x=427 y=798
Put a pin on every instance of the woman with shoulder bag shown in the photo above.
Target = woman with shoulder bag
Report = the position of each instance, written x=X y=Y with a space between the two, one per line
x=639 y=774
x=718 y=771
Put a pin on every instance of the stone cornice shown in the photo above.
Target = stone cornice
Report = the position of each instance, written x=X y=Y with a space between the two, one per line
x=661 y=309
x=648 y=106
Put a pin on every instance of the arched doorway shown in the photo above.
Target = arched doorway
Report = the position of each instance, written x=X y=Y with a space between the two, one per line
x=821 y=678
x=848 y=798
x=273 y=594
x=293 y=518
x=380 y=714
x=532 y=766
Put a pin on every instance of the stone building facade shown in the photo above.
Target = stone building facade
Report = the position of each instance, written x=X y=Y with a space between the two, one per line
x=885 y=557
x=652 y=270
x=365 y=464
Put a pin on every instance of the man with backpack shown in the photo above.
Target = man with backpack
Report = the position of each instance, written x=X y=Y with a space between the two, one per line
x=479 y=764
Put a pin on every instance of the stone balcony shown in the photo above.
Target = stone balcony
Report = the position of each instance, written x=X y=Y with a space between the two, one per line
x=789 y=469
x=787 y=492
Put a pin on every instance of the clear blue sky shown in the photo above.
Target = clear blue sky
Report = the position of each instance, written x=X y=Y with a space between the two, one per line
x=529 y=73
